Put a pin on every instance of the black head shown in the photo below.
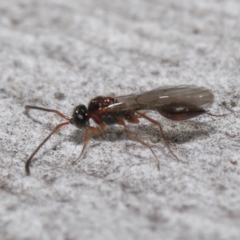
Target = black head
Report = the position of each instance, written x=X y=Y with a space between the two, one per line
x=79 y=117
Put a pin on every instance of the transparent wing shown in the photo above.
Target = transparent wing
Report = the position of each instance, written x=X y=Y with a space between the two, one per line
x=169 y=95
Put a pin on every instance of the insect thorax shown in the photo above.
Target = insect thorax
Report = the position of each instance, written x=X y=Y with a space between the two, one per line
x=98 y=110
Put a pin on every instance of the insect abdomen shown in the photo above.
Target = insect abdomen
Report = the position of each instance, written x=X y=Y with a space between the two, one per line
x=178 y=112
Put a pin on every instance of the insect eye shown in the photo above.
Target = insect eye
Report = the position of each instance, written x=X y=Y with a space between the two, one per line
x=79 y=117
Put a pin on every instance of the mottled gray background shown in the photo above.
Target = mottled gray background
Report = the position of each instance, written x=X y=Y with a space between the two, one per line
x=58 y=53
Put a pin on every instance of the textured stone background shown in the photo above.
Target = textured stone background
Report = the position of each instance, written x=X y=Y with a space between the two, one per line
x=87 y=48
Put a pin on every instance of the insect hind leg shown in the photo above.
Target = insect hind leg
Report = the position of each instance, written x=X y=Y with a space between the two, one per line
x=143 y=115
x=131 y=136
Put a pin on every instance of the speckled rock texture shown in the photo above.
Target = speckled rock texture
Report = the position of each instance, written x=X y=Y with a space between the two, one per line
x=57 y=54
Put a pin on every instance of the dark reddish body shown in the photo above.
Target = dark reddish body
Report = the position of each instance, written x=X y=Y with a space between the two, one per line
x=99 y=112
x=173 y=102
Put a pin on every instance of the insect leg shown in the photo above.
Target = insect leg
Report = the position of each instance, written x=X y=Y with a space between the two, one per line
x=131 y=136
x=27 y=164
x=87 y=134
x=142 y=115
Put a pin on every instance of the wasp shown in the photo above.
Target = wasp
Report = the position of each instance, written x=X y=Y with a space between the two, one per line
x=173 y=102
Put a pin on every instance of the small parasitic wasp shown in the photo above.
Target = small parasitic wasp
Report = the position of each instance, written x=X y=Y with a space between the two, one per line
x=173 y=102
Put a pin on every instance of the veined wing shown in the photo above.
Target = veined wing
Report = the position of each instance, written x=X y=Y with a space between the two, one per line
x=199 y=97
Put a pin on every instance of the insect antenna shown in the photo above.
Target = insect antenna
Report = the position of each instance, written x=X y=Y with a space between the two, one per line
x=27 y=107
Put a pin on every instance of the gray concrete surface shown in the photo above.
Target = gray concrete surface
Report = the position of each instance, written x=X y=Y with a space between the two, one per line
x=87 y=48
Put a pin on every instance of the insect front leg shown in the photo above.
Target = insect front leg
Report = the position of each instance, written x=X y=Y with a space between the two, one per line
x=89 y=130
